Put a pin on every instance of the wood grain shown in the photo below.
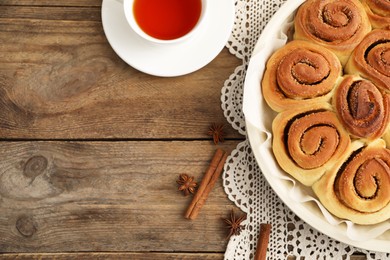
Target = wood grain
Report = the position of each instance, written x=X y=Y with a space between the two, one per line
x=133 y=256
x=117 y=256
x=62 y=80
x=51 y=13
x=107 y=196
x=89 y=3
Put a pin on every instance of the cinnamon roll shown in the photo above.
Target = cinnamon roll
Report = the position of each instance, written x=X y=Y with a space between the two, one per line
x=300 y=73
x=337 y=25
x=362 y=107
x=359 y=188
x=378 y=12
x=371 y=58
x=308 y=140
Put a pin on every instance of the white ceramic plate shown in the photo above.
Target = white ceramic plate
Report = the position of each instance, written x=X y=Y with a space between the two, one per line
x=175 y=60
x=307 y=211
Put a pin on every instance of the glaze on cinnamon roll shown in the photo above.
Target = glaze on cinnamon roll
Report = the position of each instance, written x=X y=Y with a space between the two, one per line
x=300 y=73
x=362 y=107
x=308 y=140
x=371 y=58
x=337 y=25
x=378 y=12
x=359 y=188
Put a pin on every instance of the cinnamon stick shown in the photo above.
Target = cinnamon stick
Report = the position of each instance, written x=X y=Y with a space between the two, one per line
x=209 y=179
x=262 y=242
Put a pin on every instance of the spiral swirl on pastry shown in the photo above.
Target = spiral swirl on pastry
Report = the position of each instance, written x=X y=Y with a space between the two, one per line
x=359 y=188
x=378 y=12
x=308 y=140
x=371 y=58
x=362 y=107
x=337 y=25
x=364 y=183
x=299 y=73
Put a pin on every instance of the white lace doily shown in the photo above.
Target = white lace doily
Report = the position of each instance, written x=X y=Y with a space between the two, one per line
x=242 y=179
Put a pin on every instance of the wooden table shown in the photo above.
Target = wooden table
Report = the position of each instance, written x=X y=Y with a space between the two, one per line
x=91 y=148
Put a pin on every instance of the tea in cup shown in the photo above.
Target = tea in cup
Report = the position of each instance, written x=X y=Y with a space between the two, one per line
x=165 y=21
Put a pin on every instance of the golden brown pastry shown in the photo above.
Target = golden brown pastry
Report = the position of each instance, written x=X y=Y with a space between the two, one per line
x=362 y=107
x=378 y=12
x=308 y=141
x=386 y=137
x=300 y=73
x=359 y=188
x=337 y=25
x=371 y=58
x=321 y=111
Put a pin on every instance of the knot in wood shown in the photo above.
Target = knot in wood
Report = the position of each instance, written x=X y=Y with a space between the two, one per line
x=26 y=226
x=35 y=166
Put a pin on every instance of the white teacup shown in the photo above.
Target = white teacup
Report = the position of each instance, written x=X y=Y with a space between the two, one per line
x=128 y=6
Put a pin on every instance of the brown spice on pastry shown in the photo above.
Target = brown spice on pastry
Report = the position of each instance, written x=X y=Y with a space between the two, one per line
x=371 y=58
x=300 y=73
x=362 y=107
x=308 y=140
x=378 y=11
x=337 y=25
x=359 y=188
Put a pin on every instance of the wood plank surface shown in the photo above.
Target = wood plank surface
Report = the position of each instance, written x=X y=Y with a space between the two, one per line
x=51 y=13
x=89 y=3
x=107 y=196
x=116 y=256
x=133 y=256
x=62 y=80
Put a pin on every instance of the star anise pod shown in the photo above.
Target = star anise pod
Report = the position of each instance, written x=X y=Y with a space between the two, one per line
x=186 y=184
x=234 y=224
x=216 y=131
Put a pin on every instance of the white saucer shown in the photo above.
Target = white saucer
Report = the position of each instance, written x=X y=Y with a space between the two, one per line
x=168 y=61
